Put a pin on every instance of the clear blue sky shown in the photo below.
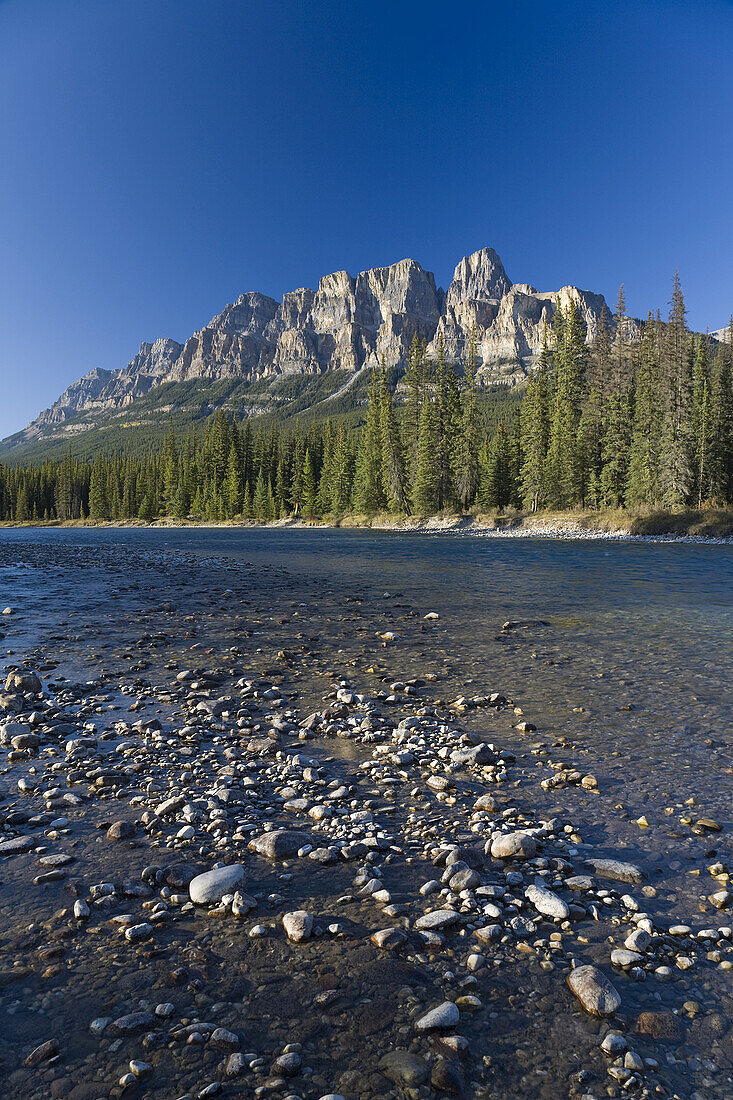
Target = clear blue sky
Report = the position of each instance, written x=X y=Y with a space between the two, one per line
x=159 y=157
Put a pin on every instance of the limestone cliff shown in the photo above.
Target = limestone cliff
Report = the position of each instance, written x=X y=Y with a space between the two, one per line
x=348 y=323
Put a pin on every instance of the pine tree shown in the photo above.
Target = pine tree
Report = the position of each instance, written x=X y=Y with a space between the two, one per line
x=675 y=471
x=600 y=364
x=534 y=427
x=642 y=486
x=426 y=484
x=563 y=470
x=309 y=487
x=259 y=503
x=615 y=453
x=415 y=378
x=701 y=421
x=591 y=433
x=393 y=471
x=232 y=489
x=721 y=423
x=98 y=503
x=368 y=493
x=325 y=480
x=466 y=457
x=247 y=507
x=342 y=472
x=620 y=375
x=282 y=493
x=496 y=488
x=447 y=410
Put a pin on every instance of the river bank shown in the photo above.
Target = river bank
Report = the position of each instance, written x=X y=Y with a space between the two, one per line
x=706 y=525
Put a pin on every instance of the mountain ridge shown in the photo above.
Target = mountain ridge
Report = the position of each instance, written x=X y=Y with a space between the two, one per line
x=348 y=323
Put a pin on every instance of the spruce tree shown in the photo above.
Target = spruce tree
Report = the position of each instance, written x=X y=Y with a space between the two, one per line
x=642 y=486
x=342 y=472
x=98 y=503
x=310 y=494
x=721 y=423
x=496 y=488
x=259 y=503
x=615 y=453
x=534 y=427
x=426 y=484
x=676 y=450
x=701 y=421
x=393 y=470
x=466 y=459
x=564 y=474
x=232 y=489
x=368 y=492
x=415 y=378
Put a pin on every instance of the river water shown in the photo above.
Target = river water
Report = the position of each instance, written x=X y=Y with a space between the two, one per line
x=626 y=674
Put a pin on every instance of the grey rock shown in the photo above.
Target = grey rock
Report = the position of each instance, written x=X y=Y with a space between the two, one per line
x=133 y=1021
x=23 y=681
x=222 y=1039
x=616 y=870
x=516 y=845
x=16 y=845
x=212 y=885
x=279 y=844
x=403 y=1068
x=121 y=830
x=298 y=925
x=42 y=1053
x=444 y=1016
x=594 y=991
x=437 y=919
x=547 y=903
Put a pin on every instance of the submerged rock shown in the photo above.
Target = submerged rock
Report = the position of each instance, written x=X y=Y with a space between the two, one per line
x=594 y=991
x=444 y=1016
x=616 y=870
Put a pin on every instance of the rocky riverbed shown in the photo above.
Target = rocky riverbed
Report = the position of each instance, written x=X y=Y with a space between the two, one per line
x=263 y=835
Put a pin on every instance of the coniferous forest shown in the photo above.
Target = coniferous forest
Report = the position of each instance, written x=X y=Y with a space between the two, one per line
x=643 y=417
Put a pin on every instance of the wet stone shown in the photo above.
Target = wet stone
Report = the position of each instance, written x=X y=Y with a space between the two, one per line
x=444 y=1016
x=594 y=991
x=212 y=885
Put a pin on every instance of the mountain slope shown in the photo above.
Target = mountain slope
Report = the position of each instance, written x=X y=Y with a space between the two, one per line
x=259 y=355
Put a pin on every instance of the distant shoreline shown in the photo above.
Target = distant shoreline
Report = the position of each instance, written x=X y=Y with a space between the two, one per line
x=690 y=527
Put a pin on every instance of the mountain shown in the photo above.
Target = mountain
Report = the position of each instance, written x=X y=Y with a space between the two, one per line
x=258 y=353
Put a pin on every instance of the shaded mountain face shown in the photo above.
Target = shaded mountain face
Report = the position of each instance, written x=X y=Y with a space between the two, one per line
x=348 y=324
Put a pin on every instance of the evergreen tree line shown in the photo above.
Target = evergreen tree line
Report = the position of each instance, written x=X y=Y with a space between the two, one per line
x=634 y=419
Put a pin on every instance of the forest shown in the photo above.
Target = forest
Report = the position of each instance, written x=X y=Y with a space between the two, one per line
x=641 y=417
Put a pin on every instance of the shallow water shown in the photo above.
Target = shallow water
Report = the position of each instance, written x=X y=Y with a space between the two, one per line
x=630 y=680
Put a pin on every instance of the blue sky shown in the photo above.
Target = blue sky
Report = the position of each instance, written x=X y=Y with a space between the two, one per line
x=159 y=157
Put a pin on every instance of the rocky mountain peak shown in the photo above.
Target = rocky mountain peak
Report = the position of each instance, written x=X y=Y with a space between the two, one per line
x=479 y=277
x=350 y=323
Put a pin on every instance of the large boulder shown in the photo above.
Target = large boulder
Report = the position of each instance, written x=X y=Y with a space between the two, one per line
x=279 y=844
x=516 y=845
x=213 y=885
x=23 y=680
